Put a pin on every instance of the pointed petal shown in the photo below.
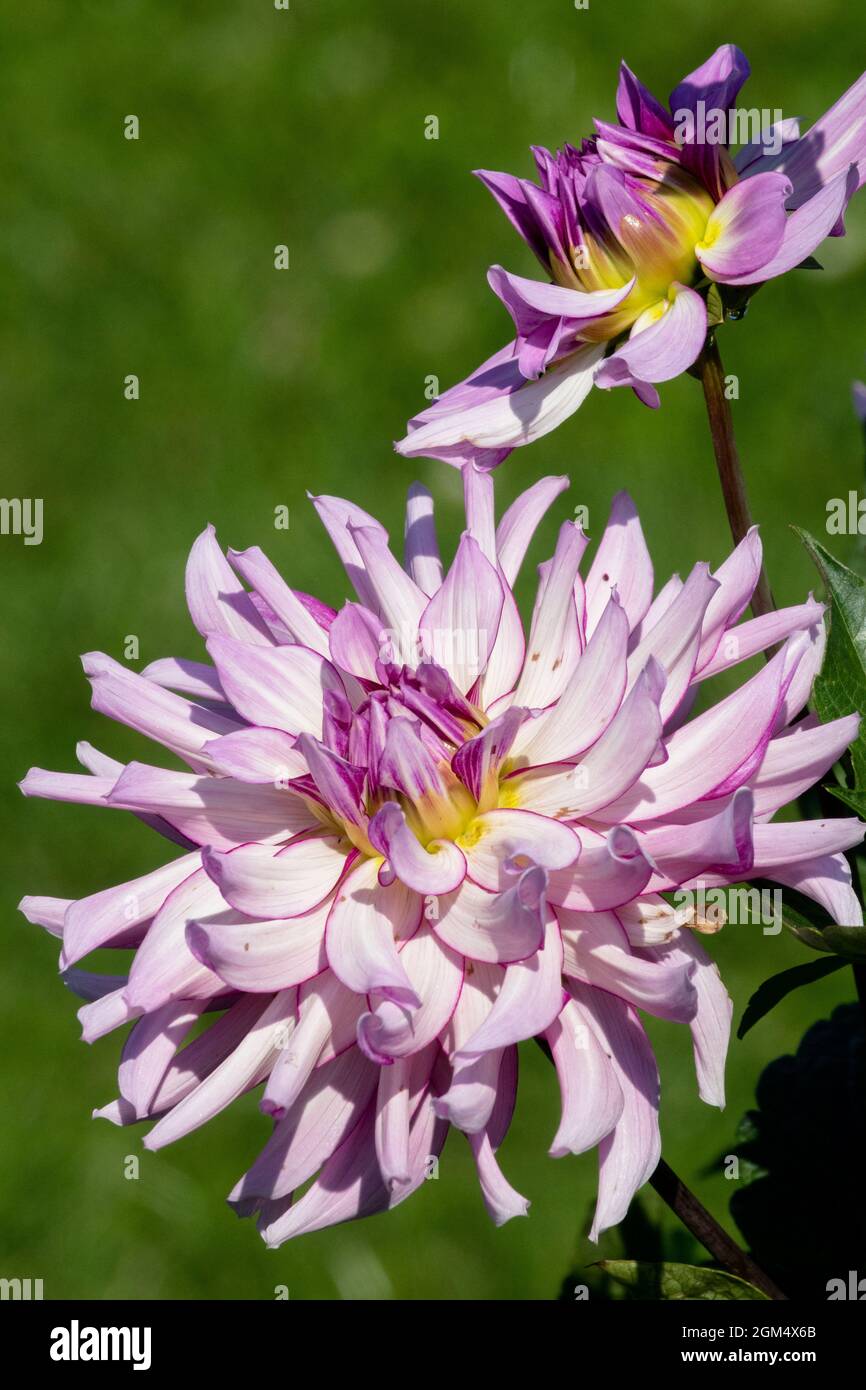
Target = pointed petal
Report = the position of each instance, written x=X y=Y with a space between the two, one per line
x=460 y=623
x=592 y=1100
x=217 y=601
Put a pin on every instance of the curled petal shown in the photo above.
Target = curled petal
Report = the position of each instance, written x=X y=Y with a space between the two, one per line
x=437 y=869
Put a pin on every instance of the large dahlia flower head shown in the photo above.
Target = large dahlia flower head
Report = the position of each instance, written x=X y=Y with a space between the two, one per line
x=648 y=232
x=413 y=839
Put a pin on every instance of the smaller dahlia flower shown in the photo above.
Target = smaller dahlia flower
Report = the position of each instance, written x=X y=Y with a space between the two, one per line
x=635 y=230
x=413 y=838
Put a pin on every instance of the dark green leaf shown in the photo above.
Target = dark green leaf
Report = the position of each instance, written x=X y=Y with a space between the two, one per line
x=840 y=688
x=809 y=264
x=678 y=1281
x=769 y=994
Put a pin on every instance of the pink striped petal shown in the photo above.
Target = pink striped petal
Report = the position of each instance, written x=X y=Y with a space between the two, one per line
x=422 y=560
x=495 y=927
x=363 y=927
x=551 y=649
x=327 y=1021
x=609 y=768
x=519 y=523
x=279 y=687
x=261 y=575
x=262 y=956
x=438 y=868
x=328 y=1107
x=674 y=640
x=588 y=702
x=212 y=810
x=612 y=870
x=502 y=843
x=739 y=643
x=262 y=882
x=164 y=968
x=629 y=1155
x=622 y=562
x=257 y=756
x=596 y=951
x=245 y=1067
x=150 y=1049
x=592 y=1100
x=460 y=623
x=217 y=601
x=798 y=758
x=435 y=973
x=706 y=753
x=95 y=920
x=528 y=1002
x=711 y=1025
x=357 y=641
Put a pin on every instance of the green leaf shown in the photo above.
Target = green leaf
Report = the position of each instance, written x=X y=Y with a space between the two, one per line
x=809 y=264
x=814 y=927
x=678 y=1281
x=772 y=991
x=840 y=688
x=715 y=307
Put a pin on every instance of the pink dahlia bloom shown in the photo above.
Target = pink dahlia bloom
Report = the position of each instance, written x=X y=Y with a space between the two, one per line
x=633 y=230
x=413 y=839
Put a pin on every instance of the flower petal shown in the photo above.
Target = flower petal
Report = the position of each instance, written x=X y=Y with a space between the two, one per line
x=460 y=623
x=589 y=701
x=519 y=523
x=500 y=844
x=612 y=870
x=519 y=413
x=494 y=927
x=622 y=562
x=279 y=687
x=629 y=1155
x=211 y=810
x=664 y=349
x=805 y=229
x=261 y=957
x=438 y=868
x=263 y=882
x=364 y=923
x=596 y=951
x=746 y=229
x=217 y=601
x=269 y=584
x=592 y=1100
x=529 y=1000
x=421 y=547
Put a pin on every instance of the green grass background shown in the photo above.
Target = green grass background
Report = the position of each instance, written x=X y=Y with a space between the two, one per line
x=155 y=257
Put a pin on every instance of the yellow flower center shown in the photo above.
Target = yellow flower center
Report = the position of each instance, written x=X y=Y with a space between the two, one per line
x=657 y=247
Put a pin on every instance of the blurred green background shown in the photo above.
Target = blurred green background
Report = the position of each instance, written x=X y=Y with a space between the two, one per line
x=155 y=257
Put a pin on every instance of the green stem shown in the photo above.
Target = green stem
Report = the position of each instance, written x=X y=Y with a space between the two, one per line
x=710 y=372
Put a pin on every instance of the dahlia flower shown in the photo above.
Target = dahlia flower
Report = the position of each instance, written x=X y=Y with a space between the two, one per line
x=413 y=839
x=635 y=229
